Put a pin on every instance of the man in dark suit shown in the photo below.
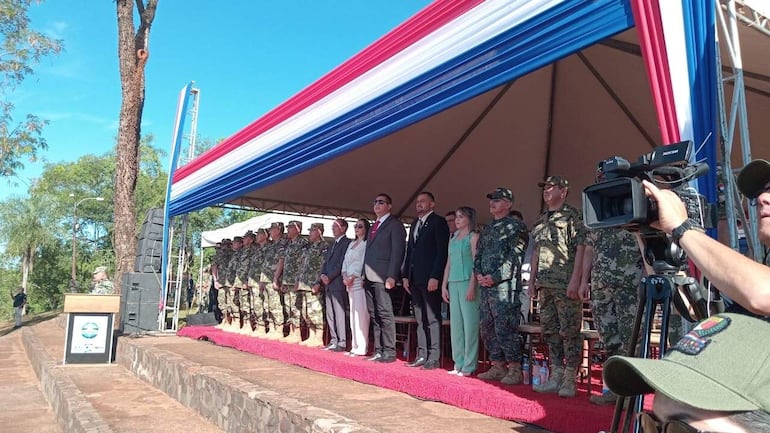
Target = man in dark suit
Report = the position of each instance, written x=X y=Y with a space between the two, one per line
x=382 y=268
x=336 y=296
x=426 y=256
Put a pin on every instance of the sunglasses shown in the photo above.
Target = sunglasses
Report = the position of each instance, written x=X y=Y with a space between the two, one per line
x=380 y=201
x=649 y=424
x=755 y=201
x=359 y=226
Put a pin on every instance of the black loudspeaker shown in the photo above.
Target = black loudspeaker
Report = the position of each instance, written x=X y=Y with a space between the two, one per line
x=201 y=319
x=149 y=247
x=139 y=303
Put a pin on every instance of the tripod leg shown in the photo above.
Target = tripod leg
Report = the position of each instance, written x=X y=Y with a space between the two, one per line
x=640 y=310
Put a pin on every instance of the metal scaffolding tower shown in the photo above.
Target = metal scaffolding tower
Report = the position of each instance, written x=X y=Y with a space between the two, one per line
x=734 y=118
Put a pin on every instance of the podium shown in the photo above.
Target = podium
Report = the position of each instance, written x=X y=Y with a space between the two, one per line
x=90 y=327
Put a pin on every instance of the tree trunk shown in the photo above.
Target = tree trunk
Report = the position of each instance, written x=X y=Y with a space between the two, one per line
x=132 y=56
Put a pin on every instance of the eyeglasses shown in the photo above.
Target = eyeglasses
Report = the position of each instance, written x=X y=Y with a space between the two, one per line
x=755 y=201
x=650 y=424
x=380 y=201
x=359 y=226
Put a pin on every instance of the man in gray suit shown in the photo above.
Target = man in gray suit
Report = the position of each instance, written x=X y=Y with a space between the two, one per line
x=382 y=268
x=336 y=296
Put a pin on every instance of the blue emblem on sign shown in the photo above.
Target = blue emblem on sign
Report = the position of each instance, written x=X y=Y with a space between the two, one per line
x=89 y=330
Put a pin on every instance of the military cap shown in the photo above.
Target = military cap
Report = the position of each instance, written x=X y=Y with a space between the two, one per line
x=263 y=231
x=226 y=241
x=277 y=224
x=501 y=193
x=753 y=178
x=555 y=181
x=318 y=226
x=250 y=234
x=296 y=224
x=238 y=239
x=100 y=269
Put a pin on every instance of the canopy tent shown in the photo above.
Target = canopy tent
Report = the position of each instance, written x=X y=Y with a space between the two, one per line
x=467 y=95
x=211 y=237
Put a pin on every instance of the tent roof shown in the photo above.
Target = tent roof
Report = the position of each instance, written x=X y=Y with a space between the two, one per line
x=461 y=98
x=211 y=237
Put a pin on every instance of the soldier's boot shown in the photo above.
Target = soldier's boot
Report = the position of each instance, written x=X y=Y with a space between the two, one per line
x=554 y=381
x=259 y=331
x=497 y=372
x=567 y=388
x=274 y=333
x=513 y=377
x=294 y=335
x=606 y=399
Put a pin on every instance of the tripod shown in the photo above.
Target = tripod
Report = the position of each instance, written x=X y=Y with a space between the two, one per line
x=665 y=286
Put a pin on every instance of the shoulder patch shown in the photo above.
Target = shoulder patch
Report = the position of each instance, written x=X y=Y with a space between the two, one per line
x=696 y=340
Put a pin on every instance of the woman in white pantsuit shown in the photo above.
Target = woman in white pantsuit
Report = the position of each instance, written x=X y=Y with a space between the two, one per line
x=352 y=274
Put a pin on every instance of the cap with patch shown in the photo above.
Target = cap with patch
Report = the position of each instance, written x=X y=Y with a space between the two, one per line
x=277 y=225
x=723 y=364
x=501 y=193
x=297 y=224
x=753 y=178
x=318 y=226
x=100 y=269
x=554 y=180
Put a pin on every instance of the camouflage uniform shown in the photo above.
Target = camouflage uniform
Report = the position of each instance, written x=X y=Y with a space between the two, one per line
x=103 y=287
x=233 y=299
x=500 y=250
x=222 y=260
x=557 y=235
x=273 y=253
x=616 y=271
x=256 y=287
x=242 y=283
x=309 y=304
x=292 y=267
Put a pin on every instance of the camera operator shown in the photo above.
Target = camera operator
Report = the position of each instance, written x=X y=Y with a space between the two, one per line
x=743 y=280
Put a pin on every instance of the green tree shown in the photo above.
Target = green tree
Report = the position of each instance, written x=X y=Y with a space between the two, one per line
x=21 y=48
x=133 y=52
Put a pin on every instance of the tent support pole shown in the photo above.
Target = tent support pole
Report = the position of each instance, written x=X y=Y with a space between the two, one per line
x=616 y=98
x=549 y=132
x=455 y=147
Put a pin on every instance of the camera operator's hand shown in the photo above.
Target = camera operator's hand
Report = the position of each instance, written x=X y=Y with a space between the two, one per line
x=671 y=210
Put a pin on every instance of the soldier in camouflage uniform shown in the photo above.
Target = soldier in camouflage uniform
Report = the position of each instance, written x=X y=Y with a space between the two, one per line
x=310 y=298
x=559 y=237
x=102 y=283
x=292 y=266
x=271 y=277
x=220 y=271
x=242 y=282
x=497 y=267
x=233 y=298
x=256 y=287
x=613 y=261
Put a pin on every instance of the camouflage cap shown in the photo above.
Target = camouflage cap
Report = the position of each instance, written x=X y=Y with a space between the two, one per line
x=297 y=224
x=753 y=178
x=263 y=231
x=277 y=225
x=100 y=269
x=226 y=241
x=318 y=226
x=250 y=234
x=556 y=181
x=501 y=193
x=238 y=239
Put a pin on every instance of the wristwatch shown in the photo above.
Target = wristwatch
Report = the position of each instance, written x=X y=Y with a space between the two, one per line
x=688 y=224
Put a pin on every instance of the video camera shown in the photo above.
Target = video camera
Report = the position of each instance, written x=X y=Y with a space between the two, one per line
x=619 y=199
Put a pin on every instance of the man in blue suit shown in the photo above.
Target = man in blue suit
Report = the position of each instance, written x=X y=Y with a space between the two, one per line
x=382 y=268
x=336 y=296
x=426 y=256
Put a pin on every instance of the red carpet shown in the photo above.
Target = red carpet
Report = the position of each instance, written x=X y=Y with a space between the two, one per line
x=517 y=402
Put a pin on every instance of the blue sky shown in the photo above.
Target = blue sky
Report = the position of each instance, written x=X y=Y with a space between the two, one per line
x=245 y=56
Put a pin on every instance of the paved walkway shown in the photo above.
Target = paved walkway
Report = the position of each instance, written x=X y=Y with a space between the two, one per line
x=24 y=408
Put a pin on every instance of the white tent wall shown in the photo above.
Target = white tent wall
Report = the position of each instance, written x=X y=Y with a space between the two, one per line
x=211 y=237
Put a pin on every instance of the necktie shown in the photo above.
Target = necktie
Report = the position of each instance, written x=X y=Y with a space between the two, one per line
x=417 y=229
x=373 y=233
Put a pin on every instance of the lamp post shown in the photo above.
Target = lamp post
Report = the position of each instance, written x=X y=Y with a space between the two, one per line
x=74 y=276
